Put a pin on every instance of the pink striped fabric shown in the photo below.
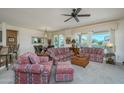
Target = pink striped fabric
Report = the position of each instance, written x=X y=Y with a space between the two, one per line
x=64 y=72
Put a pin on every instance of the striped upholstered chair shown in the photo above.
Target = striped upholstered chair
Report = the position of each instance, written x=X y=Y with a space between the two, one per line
x=32 y=69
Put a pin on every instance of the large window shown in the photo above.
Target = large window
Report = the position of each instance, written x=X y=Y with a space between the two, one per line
x=77 y=39
x=99 y=39
x=58 y=41
x=84 y=40
x=81 y=40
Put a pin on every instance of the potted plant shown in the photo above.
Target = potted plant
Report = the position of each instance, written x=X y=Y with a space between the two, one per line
x=73 y=43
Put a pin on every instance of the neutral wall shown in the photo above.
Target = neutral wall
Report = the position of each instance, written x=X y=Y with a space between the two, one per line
x=1 y=30
x=24 y=37
x=119 y=40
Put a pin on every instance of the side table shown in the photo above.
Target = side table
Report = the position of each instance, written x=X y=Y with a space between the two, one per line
x=110 y=58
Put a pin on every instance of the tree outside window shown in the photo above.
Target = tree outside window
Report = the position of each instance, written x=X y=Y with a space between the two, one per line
x=100 y=40
x=58 y=41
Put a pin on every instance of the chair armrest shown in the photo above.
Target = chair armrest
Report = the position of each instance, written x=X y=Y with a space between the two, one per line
x=32 y=68
x=21 y=68
x=36 y=68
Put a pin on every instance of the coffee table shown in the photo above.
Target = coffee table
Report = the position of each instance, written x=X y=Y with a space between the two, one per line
x=80 y=60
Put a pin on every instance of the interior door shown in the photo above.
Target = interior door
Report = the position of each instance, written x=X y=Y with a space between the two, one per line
x=11 y=39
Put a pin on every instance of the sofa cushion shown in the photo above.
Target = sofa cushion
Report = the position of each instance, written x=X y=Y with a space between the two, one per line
x=100 y=51
x=44 y=59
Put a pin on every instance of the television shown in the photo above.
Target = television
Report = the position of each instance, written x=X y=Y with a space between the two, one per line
x=0 y=36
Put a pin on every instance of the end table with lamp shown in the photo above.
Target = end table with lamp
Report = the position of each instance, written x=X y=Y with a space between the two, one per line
x=110 y=56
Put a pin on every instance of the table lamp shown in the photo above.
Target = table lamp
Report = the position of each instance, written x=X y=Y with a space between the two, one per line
x=109 y=47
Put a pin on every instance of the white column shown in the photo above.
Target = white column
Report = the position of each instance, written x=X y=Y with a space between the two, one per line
x=3 y=34
x=90 y=38
x=113 y=39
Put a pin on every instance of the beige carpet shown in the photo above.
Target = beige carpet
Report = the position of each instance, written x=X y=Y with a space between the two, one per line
x=94 y=73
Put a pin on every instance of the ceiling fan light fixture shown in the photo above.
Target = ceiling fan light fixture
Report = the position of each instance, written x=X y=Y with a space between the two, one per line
x=75 y=14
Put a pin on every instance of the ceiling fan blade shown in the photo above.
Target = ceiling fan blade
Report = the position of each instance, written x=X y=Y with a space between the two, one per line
x=78 y=10
x=66 y=15
x=76 y=19
x=83 y=15
x=68 y=19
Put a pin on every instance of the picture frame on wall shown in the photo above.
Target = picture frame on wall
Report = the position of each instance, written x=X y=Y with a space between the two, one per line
x=11 y=39
x=0 y=36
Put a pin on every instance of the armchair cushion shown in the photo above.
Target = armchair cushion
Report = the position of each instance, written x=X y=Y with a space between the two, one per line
x=35 y=68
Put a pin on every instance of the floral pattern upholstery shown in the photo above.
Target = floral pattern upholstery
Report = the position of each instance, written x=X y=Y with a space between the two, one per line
x=59 y=54
x=94 y=54
x=27 y=73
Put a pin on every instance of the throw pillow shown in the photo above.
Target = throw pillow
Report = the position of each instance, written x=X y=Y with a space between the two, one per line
x=32 y=61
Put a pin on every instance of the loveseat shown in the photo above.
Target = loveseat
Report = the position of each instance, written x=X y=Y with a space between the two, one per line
x=60 y=54
x=94 y=54
x=32 y=69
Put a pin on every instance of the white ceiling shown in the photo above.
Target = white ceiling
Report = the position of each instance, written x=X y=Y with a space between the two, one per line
x=40 y=18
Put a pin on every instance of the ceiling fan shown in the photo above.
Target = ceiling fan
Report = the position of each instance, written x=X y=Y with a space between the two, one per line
x=75 y=14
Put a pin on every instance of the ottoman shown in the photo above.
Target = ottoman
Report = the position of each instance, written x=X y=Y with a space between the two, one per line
x=64 y=71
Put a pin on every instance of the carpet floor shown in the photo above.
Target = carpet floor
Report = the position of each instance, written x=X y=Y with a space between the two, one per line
x=94 y=73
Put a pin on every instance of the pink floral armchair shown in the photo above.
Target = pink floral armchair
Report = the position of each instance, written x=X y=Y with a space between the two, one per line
x=32 y=69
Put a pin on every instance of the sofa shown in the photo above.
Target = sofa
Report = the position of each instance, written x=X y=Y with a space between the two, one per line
x=94 y=54
x=60 y=54
x=32 y=69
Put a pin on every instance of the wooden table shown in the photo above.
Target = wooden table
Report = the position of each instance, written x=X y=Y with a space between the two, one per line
x=80 y=60
x=110 y=58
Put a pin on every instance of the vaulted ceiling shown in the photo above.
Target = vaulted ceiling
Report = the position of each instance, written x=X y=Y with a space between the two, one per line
x=51 y=18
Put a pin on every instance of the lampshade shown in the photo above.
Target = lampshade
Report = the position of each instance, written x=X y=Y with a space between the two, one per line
x=45 y=35
x=110 y=45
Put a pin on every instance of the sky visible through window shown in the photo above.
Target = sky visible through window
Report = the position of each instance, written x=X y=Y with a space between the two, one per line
x=101 y=37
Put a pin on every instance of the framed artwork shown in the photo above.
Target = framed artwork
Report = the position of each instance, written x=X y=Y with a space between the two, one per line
x=0 y=36
x=11 y=39
x=68 y=40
